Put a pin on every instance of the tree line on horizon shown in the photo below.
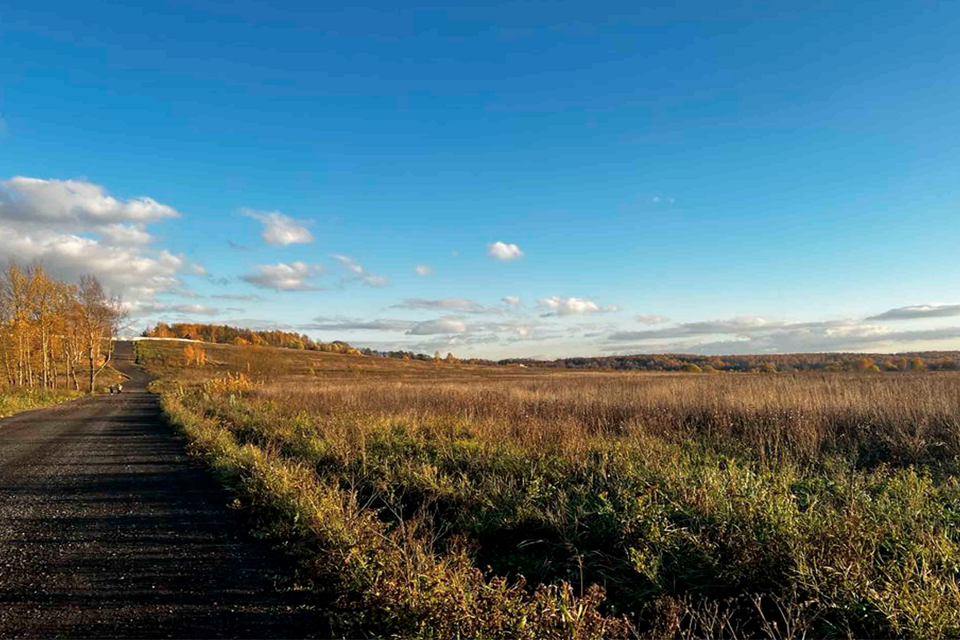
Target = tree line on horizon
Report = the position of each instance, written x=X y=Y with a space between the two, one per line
x=52 y=332
x=758 y=363
x=750 y=363
x=240 y=337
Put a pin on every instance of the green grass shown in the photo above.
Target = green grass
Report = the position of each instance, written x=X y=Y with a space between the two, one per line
x=14 y=400
x=468 y=506
x=862 y=552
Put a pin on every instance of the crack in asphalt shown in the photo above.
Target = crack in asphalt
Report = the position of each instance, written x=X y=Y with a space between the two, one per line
x=108 y=529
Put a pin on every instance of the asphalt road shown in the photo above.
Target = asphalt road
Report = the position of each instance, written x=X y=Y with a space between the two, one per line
x=107 y=529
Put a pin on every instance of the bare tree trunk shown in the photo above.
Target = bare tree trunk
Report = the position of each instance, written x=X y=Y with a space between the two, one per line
x=91 y=356
x=20 y=366
x=29 y=366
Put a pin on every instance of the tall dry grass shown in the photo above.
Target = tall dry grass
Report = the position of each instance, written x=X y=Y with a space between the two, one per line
x=894 y=418
x=700 y=505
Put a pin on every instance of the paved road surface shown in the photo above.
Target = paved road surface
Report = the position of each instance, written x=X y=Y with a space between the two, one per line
x=108 y=529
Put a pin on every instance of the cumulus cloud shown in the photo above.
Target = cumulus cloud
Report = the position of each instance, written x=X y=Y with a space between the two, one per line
x=360 y=274
x=513 y=301
x=279 y=228
x=423 y=270
x=460 y=305
x=567 y=306
x=438 y=326
x=123 y=270
x=126 y=234
x=502 y=251
x=651 y=318
x=293 y=276
x=77 y=202
x=914 y=312
x=51 y=221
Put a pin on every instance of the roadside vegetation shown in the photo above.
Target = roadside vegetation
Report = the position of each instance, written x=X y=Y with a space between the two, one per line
x=16 y=400
x=451 y=500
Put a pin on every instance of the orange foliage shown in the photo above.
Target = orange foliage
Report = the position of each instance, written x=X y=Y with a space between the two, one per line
x=194 y=354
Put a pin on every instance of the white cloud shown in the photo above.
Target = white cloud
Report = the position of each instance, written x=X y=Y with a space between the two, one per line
x=736 y=326
x=138 y=309
x=917 y=311
x=752 y=334
x=239 y=297
x=127 y=271
x=356 y=324
x=361 y=274
x=502 y=251
x=258 y=324
x=126 y=234
x=461 y=305
x=81 y=204
x=423 y=270
x=438 y=326
x=51 y=221
x=513 y=301
x=651 y=318
x=294 y=276
x=567 y=306
x=517 y=330
x=279 y=228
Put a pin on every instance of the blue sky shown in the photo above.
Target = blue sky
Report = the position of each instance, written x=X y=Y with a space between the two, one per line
x=686 y=176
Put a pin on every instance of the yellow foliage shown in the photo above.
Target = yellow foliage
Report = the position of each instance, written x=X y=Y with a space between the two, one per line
x=194 y=354
x=228 y=384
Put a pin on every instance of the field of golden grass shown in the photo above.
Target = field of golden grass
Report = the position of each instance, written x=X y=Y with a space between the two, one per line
x=441 y=500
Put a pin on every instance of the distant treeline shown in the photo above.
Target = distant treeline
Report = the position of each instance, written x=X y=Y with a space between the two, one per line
x=930 y=360
x=222 y=334
x=925 y=360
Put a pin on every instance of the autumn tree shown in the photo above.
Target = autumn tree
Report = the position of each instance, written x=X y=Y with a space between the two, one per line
x=48 y=326
x=100 y=318
x=194 y=354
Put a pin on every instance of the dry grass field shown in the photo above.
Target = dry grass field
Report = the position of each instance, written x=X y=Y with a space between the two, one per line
x=443 y=500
